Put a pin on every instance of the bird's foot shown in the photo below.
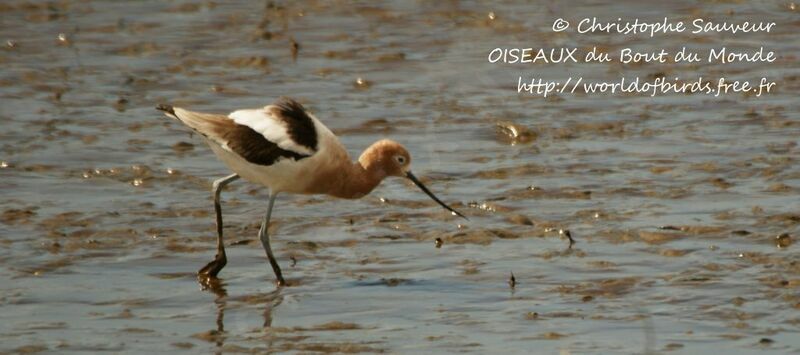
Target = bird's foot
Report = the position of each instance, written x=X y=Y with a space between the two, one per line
x=213 y=268
x=281 y=282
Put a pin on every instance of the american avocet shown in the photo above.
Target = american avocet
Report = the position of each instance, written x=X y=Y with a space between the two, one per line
x=286 y=149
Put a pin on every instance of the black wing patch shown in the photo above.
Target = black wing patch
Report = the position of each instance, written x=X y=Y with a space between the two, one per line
x=253 y=147
x=299 y=125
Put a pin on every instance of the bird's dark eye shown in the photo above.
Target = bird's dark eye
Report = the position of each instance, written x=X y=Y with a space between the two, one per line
x=401 y=159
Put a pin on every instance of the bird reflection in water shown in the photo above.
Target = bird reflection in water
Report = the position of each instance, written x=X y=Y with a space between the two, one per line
x=269 y=300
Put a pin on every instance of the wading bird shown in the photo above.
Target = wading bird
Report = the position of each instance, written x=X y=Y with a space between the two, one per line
x=286 y=149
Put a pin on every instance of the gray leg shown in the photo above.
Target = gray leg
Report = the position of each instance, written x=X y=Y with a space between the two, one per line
x=213 y=268
x=263 y=234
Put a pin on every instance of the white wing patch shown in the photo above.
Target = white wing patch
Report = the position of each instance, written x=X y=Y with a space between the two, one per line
x=271 y=127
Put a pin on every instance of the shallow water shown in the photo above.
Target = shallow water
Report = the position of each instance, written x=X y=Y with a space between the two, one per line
x=675 y=201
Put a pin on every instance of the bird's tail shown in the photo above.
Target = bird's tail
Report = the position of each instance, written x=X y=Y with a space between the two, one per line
x=168 y=110
x=207 y=124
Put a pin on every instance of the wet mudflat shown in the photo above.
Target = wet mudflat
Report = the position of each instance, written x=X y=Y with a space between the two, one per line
x=684 y=207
